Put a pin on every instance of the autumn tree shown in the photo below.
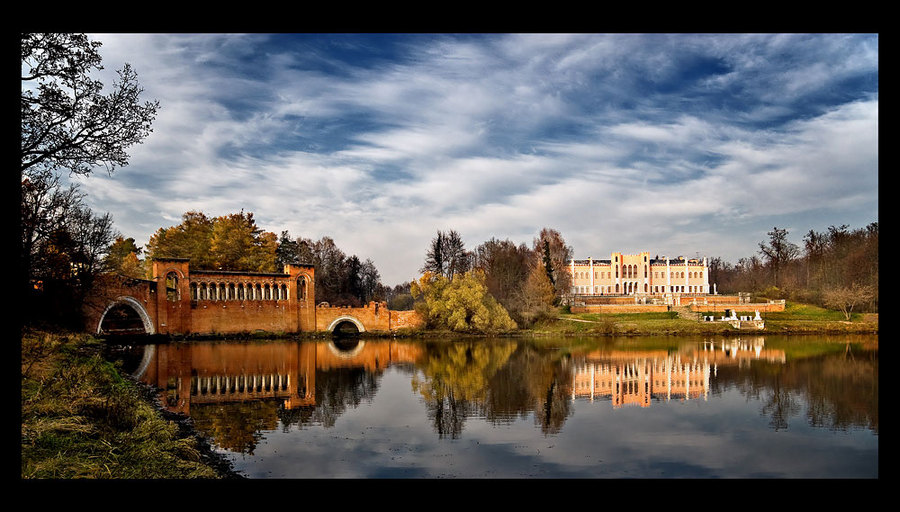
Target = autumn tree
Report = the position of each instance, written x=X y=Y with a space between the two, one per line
x=228 y=242
x=45 y=206
x=190 y=239
x=67 y=261
x=398 y=297
x=370 y=282
x=537 y=297
x=238 y=244
x=462 y=304
x=123 y=258
x=506 y=266
x=554 y=253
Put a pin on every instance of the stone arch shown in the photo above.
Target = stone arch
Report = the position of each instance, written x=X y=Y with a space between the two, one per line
x=346 y=318
x=346 y=353
x=149 y=354
x=134 y=304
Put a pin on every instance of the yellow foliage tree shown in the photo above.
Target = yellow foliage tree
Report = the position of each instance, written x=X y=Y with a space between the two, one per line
x=537 y=295
x=229 y=242
x=462 y=304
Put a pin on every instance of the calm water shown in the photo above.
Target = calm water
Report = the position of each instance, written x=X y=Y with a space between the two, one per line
x=757 y=407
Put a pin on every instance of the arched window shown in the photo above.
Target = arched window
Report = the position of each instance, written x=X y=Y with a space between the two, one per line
x=172 y=292
x=301 y=288
x=284 y=292
x=267 y=293
x=223 y=292
x=193 y=291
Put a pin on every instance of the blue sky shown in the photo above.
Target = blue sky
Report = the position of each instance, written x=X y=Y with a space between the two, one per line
x=677 y=144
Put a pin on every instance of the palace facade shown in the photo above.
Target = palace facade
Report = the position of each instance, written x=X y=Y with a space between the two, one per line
x=639 y=274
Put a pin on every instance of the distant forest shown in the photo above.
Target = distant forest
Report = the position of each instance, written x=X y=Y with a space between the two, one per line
x=838 y=260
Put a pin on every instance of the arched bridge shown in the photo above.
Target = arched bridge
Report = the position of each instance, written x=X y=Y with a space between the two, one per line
x=181 y=301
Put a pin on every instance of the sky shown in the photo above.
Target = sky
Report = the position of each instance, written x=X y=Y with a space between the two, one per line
x=691 y=145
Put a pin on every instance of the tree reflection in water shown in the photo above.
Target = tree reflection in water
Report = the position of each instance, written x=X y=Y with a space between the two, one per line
x=501 y=382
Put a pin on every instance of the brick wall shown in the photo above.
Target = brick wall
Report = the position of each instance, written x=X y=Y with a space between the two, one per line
x=620 y=308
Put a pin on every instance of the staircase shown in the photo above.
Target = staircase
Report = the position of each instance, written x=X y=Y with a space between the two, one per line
x=685 y=312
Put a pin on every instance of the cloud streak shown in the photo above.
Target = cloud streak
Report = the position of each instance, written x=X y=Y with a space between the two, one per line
x=668 y=143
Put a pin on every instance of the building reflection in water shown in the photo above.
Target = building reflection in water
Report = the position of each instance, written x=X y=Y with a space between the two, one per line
x=206 y=373
x=635 y=378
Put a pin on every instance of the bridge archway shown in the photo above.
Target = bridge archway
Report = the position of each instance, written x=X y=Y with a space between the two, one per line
x=336 y=323
x=133 y=304
x=346 y=350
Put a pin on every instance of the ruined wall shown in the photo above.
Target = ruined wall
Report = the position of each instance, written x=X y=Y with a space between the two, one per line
x=406 y=320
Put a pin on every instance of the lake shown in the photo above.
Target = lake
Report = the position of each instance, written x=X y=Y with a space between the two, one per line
x=668 y=407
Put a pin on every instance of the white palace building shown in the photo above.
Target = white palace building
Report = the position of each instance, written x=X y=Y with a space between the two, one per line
x=639 y=274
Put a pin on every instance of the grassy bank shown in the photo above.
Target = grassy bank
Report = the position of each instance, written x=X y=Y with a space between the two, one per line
x=796 y=318
x=82 y=419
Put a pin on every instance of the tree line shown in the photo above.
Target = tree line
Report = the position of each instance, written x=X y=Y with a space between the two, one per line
x=235 y=242
x=836 y=268
x=69 y=124
x=496 y=286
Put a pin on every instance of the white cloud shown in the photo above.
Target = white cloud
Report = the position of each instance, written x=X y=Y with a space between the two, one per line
x=499 y=136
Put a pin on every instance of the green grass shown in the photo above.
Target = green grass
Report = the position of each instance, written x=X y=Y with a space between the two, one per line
x=81 y=419
x=796 y=318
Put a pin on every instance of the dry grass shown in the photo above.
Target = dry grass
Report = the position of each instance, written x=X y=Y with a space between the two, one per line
x=80 y=419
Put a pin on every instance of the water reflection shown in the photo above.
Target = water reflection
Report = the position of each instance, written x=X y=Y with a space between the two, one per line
x=237 y=391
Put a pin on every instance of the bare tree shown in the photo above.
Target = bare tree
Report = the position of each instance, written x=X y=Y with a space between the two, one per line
x=447 y=255
x=779 y=251
x=67 y=123
x=846 y=298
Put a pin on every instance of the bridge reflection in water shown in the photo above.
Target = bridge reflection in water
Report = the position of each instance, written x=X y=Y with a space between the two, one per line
x=220 y=372
x=349 y=407
x=204 y=373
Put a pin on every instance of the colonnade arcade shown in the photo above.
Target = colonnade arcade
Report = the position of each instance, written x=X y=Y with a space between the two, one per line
x=238 y=291
x=219 y=290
